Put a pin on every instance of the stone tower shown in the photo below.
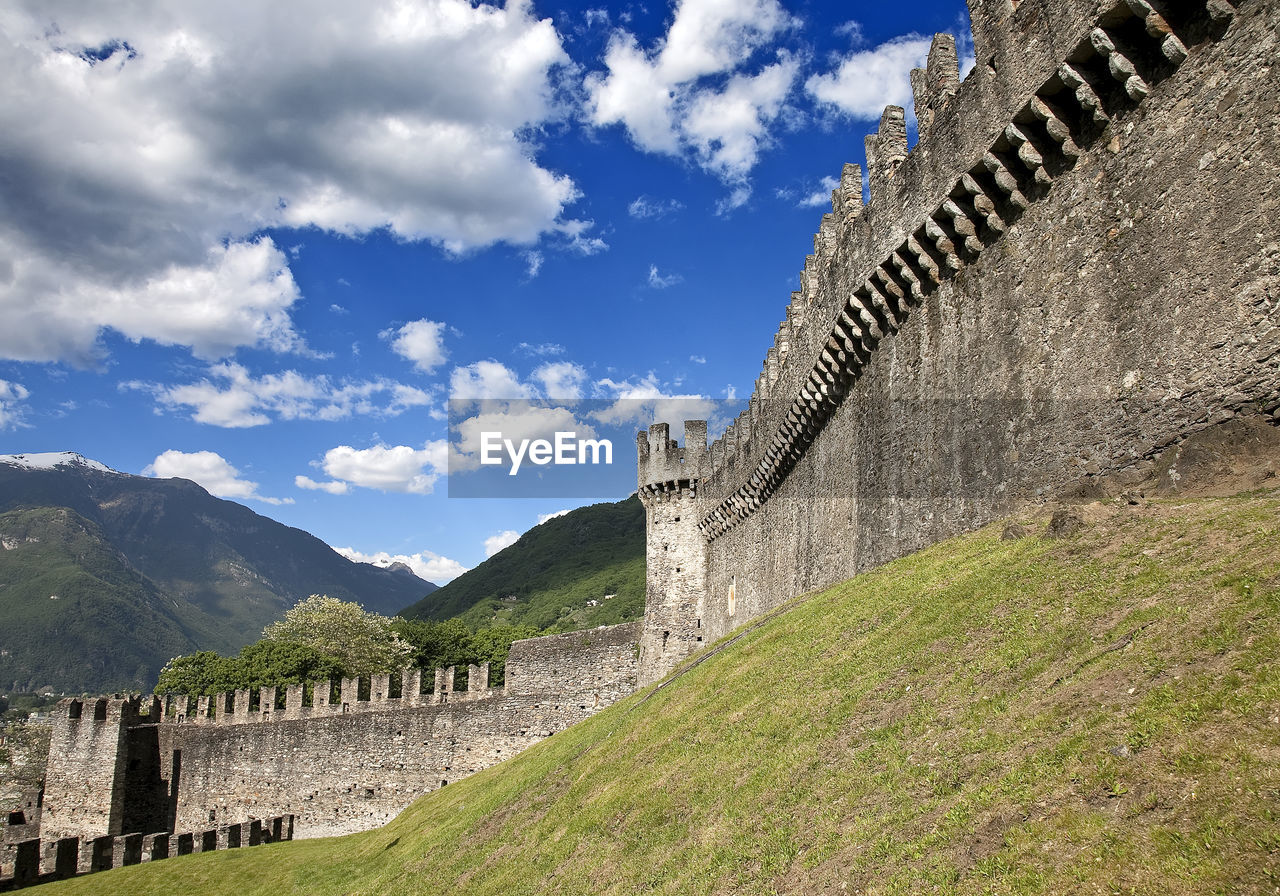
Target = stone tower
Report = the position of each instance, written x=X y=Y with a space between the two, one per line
x=84 y=790
x=676 y=553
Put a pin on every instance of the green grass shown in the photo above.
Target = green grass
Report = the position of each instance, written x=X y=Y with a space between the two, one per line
x=1098 y=714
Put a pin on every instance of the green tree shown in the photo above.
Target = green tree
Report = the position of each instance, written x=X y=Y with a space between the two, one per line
x=361 y=643
x=203 y=672
x=436 y=645
x=492 y=645
x=282 y=663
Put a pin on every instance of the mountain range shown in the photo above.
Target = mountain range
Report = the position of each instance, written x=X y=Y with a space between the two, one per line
x=104 y=576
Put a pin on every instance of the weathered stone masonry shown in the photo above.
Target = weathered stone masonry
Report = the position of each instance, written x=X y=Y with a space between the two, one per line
x=336 y=767
x=1077 y=265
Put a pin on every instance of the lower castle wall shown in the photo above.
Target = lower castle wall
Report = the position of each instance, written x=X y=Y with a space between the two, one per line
x=334 y=773
x=33 y=861
x=599 y=662
x=1136 y=301
x=350 y=773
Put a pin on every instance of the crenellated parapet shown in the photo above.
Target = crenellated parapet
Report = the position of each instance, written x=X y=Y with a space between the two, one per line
x=317 y=699
x=339 y=756
x=1016 y=128
x=663 y=467
x=37 y=861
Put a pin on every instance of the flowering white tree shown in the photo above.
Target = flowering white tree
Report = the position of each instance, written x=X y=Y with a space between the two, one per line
x=363 y=643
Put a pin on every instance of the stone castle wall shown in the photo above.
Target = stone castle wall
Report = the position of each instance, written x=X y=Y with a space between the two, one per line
x=1075 y=266
x=336 y=767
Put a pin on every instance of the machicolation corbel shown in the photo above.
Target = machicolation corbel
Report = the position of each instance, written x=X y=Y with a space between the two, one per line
x=1130 y=47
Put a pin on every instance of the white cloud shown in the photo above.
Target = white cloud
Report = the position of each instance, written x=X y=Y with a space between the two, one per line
x=561 y=379
x=543 y=517
x=533 y=263
x=693 y=93
x=487 y=379
x=495 y=543
x=576 y=236
x=730 y=127
x=698 y=359
x=385 y=468
x=210 y=470
x=419 y=341
x=146 y=144
x=658 y=281
x=646 y=207
x=499 y=401
x=515 y=420
x=542 y=349
x=236 y=295
x=332 y=487
x=645 y=400
x=814 y=198
x=12 y=396
x=232 y=397
x=425 y=564
x=866 y=81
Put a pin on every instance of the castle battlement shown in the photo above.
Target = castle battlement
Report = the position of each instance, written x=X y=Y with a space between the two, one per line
x=348 y=758
x=1072 y=269
x=927 y=219
x=115 y=711
x=663 y=466
x=370 y=693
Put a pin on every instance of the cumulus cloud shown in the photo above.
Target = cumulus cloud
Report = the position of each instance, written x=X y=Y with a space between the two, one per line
x=561 y=397
x=419 y=341
x=495 y=543
x=332 y=487
x=487 y=379
x=230 y=396
x=146 y=145
x=865 y=81
x=384 y=468
x=12 y=396
x=210 y=470
x=561 y=379
x=543 y=517
x=239 y=294
x=515 y=420
x=642 y=400
x=425 y=564
x=698 y=91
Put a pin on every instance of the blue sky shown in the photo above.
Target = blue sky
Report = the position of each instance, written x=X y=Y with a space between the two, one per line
x=262 y=246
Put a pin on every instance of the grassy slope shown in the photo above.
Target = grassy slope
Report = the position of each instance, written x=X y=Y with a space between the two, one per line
x=1095 y=714
x=550 y=574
